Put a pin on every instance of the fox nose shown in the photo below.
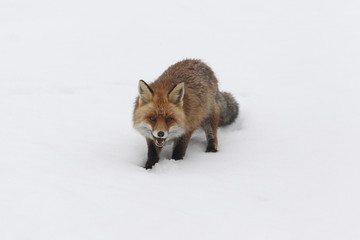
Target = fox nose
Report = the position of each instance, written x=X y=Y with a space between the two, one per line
x=160 y=134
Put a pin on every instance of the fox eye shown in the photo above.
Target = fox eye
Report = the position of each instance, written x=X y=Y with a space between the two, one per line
x=169 y=119
x=152 y=119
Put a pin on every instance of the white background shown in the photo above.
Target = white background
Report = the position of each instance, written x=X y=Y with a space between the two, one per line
x=71 y=163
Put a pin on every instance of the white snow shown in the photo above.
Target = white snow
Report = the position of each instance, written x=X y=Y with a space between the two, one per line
x=71 y=163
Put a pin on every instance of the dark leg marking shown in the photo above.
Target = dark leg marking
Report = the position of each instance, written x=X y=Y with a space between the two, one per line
x=180 y=146
x=153 y=154
x=210 y=127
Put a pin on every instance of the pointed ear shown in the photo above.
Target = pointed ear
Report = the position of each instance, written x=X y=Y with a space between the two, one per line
x=145 y=92
x=176 y=94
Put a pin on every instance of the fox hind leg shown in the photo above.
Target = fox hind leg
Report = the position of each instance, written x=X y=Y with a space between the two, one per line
x=210 y=126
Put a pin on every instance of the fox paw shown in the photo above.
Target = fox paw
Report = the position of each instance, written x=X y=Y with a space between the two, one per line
x=211 y=149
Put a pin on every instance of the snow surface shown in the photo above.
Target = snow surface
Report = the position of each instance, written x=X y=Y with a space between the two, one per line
x=71 y=163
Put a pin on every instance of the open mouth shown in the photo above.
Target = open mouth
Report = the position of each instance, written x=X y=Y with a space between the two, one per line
x=159 y=142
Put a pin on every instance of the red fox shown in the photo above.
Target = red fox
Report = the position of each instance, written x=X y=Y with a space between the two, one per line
x=184 y=98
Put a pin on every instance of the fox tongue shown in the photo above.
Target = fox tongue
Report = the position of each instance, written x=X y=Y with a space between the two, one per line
x=160 y=141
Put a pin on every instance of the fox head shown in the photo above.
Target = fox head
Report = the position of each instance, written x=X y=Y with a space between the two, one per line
x=159 y=114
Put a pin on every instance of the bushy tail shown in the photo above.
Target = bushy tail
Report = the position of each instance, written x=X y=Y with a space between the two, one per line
x=229 y=108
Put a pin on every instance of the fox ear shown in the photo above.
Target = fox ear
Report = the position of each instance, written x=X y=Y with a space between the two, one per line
x=145 y=92
x=176 y=94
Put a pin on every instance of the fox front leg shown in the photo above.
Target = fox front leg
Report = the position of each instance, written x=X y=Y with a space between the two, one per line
x=180 y=146
x=153 y=154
